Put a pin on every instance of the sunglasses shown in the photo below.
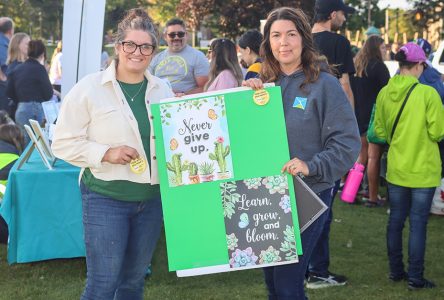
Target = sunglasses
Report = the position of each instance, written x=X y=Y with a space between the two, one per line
x=179 y=34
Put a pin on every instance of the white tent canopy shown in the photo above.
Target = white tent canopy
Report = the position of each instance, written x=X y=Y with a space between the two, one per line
x=82 y=39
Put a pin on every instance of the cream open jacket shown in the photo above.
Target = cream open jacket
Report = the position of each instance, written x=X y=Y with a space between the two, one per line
x=95 y=116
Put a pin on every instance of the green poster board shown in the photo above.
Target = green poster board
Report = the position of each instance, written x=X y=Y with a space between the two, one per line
x=194 y=213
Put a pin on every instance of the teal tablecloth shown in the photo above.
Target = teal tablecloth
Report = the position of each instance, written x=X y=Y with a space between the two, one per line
x=43 y=209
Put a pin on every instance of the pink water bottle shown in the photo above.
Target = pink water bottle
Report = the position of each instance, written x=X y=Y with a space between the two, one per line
x=352 y=183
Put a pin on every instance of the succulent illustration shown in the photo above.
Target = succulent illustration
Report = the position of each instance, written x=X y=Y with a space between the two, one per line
x=253 y=183
x=285 y=203
x=206 y=168
x=220 y=153
x=232 y=241
x=243 y=258
x=269 y=256
x=276 y=184
x=177 y=167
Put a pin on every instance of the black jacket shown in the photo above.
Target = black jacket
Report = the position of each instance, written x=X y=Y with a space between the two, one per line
x=29 y=82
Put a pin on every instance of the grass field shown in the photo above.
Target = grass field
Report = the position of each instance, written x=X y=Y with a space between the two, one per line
x=357 y=246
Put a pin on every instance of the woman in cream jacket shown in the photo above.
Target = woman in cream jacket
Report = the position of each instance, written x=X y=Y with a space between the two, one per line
x=105 y=127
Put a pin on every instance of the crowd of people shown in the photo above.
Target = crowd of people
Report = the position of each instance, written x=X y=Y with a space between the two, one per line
x=340 y=96
x=24 y=78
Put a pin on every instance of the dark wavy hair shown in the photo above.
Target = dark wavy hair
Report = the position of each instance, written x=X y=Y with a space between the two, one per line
x=311 y=61
x=370 y=51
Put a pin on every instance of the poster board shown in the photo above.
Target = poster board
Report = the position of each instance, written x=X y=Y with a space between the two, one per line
x=42 y=139
x=35 y=144
x=51 y=110
x=254 y=147
x=310 y=206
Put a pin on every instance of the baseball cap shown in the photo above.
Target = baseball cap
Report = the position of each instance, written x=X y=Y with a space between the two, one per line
x=372 y=30
x=413 y=52
x=425 y=45
x=329 y=6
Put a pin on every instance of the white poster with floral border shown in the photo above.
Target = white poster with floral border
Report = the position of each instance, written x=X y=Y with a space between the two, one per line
x=196 y=141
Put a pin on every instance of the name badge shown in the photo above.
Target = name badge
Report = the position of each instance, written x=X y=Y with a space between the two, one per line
x=300 y=103
x=138 y=165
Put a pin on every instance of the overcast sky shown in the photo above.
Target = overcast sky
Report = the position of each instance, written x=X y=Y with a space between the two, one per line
x=394 y=4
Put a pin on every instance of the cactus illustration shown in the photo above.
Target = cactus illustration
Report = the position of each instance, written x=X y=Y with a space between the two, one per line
x=177 y=167
x=192 y=175
x=220 y=153
x=192 y=168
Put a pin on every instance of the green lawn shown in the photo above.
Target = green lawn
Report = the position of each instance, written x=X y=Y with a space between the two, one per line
x=357 y=246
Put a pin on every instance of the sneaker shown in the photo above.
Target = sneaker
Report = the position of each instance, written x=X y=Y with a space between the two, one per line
x=148 y=271
x=319 y=282
x=398 y=277
x=372 y=203
x=425 y=284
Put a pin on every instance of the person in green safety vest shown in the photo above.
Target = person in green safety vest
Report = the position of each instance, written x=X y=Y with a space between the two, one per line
x=11 y=146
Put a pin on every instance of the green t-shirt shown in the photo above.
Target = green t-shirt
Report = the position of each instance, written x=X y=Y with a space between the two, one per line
x=122 y=189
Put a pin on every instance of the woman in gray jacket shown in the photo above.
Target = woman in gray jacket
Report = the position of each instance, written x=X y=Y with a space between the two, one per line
x=322 y=132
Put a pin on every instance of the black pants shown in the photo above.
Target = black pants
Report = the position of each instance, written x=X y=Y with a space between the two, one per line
x=3 y=231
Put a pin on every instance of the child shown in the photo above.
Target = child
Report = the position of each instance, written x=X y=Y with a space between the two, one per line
x=11 y=146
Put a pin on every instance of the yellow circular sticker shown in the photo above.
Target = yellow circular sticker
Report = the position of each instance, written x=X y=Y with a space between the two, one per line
x=138 y=165
x=261 y=97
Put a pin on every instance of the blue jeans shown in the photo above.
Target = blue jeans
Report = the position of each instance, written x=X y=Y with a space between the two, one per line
x=415 y=203
x=287 y=282
x=28 y=110
x=320 y=258
x=120 y=238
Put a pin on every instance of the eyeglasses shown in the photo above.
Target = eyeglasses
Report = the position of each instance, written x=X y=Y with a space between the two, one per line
x=131 y=47
x=179 y=34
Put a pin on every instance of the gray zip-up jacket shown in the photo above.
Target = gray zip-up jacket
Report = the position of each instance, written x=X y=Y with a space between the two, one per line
x=321 y=127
